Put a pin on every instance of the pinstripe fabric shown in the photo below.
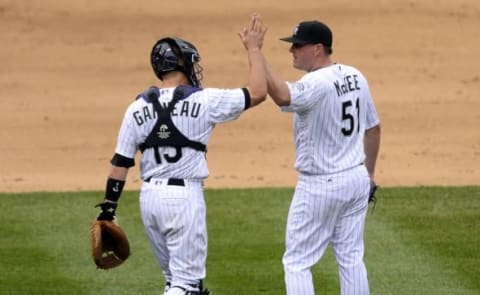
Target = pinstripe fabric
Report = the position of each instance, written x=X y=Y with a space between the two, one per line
x=174 y=215
x=174 y=221
x=209 y=106
x=327 y=210
x=321 y=148
x=332 y=109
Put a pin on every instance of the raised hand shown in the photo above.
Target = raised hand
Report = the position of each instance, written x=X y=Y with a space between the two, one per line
x=252 y=36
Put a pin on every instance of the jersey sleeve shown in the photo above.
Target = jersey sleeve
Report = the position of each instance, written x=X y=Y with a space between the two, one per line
x=126 y=144
x=304 y=93
x=226 y=104
x=372 y=116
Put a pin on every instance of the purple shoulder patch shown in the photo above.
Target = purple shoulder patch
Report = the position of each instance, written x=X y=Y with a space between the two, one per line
x=150 y=94
x=188 y=90
x=154 y=92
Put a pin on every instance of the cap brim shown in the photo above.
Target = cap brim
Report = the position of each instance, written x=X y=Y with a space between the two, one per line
x=292 y=39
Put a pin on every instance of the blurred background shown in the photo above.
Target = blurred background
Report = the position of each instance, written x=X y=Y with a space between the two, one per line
x=69 y=70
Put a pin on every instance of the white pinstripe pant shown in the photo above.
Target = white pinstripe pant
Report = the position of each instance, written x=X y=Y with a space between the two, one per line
x=174 y=218
x=327 y=209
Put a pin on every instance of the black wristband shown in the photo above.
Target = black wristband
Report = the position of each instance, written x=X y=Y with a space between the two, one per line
x=114 y=189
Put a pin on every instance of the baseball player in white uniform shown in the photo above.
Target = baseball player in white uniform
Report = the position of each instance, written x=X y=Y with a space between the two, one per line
x=171 y=126
x=337 y=138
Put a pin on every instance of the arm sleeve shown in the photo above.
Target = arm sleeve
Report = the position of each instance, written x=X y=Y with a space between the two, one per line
x=226 y=104
x=304 y=93
x=121 y=161
x=247 y=98
x=126 y=144
x=372 y=116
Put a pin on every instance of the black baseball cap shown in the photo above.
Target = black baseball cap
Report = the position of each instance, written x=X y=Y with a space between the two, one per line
x=311 y=32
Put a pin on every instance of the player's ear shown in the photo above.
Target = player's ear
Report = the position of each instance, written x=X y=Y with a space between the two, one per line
x=319 y=49
x=325 y=50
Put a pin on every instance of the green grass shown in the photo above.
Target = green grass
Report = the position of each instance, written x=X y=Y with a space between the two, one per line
x=423 y=240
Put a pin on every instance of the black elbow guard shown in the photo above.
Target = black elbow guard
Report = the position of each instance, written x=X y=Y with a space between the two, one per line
x=121 y=161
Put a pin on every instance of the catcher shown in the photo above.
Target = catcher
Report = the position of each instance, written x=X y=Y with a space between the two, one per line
x=171 y=124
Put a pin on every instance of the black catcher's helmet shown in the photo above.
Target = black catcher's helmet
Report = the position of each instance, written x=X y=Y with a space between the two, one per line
x=175 y=54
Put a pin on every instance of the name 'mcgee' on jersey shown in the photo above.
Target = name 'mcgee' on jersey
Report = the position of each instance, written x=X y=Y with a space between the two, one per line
x=349 y=83
x=184 y=108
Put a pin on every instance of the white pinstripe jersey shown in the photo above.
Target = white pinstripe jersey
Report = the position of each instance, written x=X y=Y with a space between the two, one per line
x=195 y=117
x=332 y=109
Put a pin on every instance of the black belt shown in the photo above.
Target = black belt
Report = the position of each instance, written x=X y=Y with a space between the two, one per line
x=171 y=181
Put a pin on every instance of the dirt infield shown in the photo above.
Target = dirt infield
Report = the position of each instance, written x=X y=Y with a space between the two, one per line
x=69 y=71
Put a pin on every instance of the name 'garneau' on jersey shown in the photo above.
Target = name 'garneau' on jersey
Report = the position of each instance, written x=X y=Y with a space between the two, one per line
x=184 y=108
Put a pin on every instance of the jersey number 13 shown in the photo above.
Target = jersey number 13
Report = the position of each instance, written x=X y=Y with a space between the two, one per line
x=168 y=158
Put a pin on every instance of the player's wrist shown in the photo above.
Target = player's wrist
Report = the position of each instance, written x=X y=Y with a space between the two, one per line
x=107 y=210
x=113 y=189
x=253 y=48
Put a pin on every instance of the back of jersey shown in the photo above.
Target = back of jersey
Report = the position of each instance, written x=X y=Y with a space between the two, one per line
x=329 y=132
x=353 y=112
x=194 y=116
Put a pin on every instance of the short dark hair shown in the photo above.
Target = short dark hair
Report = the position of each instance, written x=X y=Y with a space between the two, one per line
x=328 y=50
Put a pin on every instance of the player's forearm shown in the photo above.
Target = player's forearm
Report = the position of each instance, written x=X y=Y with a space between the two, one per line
x=115 y=183
x=277 y=88
x=256 y=82
x=372 y=147
x=118 y=173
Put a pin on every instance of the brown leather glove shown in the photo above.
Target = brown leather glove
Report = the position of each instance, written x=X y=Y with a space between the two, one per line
x=110 y=246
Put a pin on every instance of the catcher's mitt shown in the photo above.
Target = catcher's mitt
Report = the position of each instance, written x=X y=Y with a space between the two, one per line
x=110 y=246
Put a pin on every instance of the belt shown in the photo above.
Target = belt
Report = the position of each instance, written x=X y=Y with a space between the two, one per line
x=171 y=181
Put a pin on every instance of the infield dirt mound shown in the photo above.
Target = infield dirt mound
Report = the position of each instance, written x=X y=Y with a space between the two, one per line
x=69 y=70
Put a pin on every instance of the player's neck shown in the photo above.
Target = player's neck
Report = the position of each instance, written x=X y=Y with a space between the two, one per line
x=174 y=79
x=322 y=63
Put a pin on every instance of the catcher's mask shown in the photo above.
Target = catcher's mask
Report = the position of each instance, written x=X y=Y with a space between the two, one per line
x=175 y=54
